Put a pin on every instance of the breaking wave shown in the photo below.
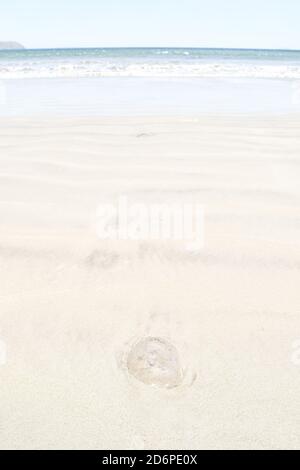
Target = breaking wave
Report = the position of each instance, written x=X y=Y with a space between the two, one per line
x=164 y=69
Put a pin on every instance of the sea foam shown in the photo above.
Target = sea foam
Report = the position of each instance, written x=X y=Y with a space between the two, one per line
x=149 y=63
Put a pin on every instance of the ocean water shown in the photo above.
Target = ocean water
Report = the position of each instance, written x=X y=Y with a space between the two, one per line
x=160 y=81
x=149 y=62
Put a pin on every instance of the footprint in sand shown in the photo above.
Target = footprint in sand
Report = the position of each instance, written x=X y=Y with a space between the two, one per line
x=103 y=259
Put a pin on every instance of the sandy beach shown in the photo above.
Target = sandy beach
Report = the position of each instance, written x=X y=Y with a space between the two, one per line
x=73 y=305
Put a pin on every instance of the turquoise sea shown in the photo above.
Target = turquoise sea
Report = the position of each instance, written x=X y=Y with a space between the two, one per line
x=149 y=62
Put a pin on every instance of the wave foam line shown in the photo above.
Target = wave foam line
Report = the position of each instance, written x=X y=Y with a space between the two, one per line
x=90 y=69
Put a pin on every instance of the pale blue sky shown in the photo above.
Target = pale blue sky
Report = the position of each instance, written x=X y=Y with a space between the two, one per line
x=198 y=23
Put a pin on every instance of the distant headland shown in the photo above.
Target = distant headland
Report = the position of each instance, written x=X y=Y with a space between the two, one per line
x=10 y=45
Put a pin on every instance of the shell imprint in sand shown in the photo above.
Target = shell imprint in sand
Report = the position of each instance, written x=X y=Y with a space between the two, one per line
x=155 y=361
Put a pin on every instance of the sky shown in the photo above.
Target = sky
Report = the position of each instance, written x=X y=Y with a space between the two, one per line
x=151 y=23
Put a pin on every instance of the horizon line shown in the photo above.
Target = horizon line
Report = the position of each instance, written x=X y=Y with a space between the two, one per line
x=157 y=47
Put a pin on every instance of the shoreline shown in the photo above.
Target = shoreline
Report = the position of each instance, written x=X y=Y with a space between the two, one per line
x=96 y=97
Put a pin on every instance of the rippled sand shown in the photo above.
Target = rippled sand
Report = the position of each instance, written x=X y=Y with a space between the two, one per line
x=76 y=312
